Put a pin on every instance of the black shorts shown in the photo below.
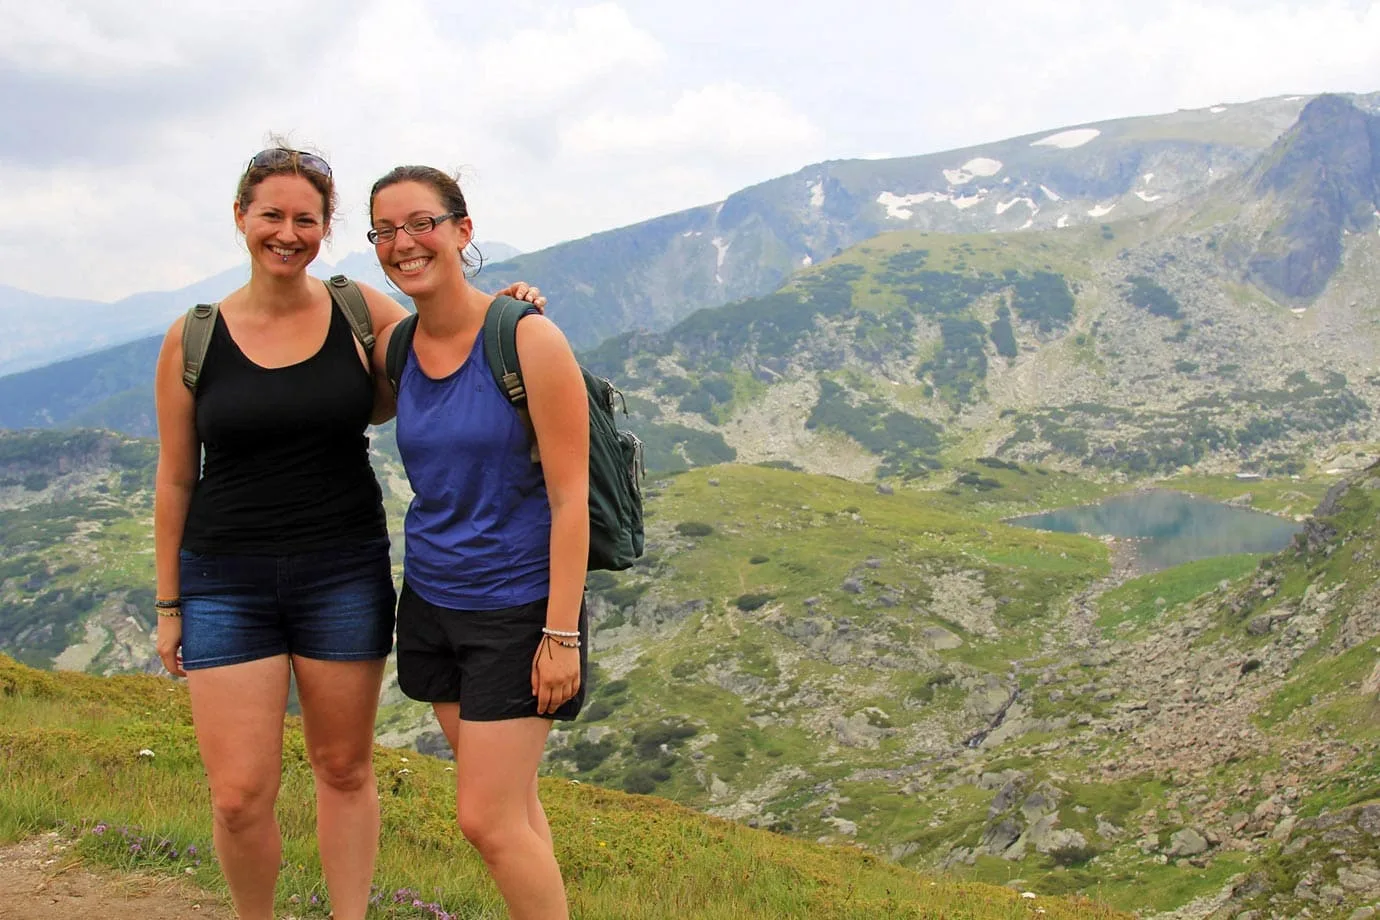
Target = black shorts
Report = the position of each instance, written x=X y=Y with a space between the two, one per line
x=481 y=659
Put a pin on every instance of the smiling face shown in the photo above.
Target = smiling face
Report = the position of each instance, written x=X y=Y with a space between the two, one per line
x=426 y=263
x=283 y=224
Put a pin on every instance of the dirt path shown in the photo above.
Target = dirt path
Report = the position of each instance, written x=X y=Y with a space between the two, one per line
x=40 y=879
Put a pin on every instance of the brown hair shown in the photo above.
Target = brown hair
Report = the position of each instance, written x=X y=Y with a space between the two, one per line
x=446 y=187
x=290 y=166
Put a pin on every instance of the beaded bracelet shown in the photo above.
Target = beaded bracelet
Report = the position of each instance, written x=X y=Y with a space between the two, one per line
x=563 y=643
x=167 y=602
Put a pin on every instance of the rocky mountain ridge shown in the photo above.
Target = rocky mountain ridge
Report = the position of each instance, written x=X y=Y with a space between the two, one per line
x=650 y=275
x=1145 y=344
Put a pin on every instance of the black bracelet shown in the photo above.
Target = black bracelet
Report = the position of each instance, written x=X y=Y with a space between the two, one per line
x=171 y=603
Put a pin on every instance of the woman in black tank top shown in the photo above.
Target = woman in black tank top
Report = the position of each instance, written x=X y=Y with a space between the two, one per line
x=272 y=555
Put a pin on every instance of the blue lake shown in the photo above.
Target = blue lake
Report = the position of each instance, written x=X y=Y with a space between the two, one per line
x=1171 y=528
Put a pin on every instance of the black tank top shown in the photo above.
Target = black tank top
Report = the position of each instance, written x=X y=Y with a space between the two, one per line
x=286 y=466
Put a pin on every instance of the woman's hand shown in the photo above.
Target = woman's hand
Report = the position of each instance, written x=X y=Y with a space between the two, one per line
x=169 y=644
x=521 y=290
x=555 y=675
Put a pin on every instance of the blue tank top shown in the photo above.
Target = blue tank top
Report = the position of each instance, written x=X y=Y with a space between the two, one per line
x=478 y=530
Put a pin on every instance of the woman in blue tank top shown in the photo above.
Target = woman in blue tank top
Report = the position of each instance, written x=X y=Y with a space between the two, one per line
x=491 y=625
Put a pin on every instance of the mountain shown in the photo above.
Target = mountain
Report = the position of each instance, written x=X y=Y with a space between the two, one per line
x=1122 y=349
x=44 y=329
x=1023 y=325
x=1320 y=182
x=651 y=274
x=110 y=389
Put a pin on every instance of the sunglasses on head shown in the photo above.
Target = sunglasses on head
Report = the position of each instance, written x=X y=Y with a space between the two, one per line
x=274 y=157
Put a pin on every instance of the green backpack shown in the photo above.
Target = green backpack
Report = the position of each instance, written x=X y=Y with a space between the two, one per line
x=201 y=322
x=615 y=457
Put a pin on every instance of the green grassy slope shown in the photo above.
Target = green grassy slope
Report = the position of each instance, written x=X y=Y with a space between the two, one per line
x=70 y=747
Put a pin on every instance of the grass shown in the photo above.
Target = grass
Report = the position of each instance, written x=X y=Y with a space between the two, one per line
x=1135 y=605
x=1327 y=690
x=1287 y=497
x=71 y=747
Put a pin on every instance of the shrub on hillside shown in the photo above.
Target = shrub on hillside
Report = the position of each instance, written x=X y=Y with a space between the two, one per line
x=1148 y=295
x=1003 y=336
x=648 y=741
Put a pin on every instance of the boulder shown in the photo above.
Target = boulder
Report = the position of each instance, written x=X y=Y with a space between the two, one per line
x=1187 y=842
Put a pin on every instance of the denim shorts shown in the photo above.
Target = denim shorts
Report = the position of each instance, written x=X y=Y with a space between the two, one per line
x=331 y=605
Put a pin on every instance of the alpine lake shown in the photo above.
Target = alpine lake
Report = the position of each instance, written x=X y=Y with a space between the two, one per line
x=1171 y=528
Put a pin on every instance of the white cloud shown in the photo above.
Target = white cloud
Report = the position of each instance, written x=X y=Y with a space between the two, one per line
x=54 y=38
x=536 y=68
x=1052 y=64
x=724 y=118
x=92 y=42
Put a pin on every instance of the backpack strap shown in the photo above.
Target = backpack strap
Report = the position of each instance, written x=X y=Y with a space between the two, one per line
x=500 y=348
x=196 y=339
x=398 y=343
x=350 y=299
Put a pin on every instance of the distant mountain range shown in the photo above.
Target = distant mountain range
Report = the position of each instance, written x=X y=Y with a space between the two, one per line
x=650 y=275
x=1233 y=327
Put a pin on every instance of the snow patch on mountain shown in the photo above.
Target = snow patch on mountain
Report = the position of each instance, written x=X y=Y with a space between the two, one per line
x=1101 y=210
x=722 y=248
x=978 y=167
x=1050 y=194
x=1062 y=222
x=1217 y=109
x=964 y=202
x=1148 y=178
x=1144 y=197
x=898 y=207
x=817 y=195
x=1067 y=140
x=1004 y=206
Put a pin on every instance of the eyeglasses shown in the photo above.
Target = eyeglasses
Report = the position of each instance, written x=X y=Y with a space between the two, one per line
x=274 y=157
x=417 y=226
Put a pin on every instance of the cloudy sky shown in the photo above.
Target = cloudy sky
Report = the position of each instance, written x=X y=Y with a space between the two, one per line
x=124 y=126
